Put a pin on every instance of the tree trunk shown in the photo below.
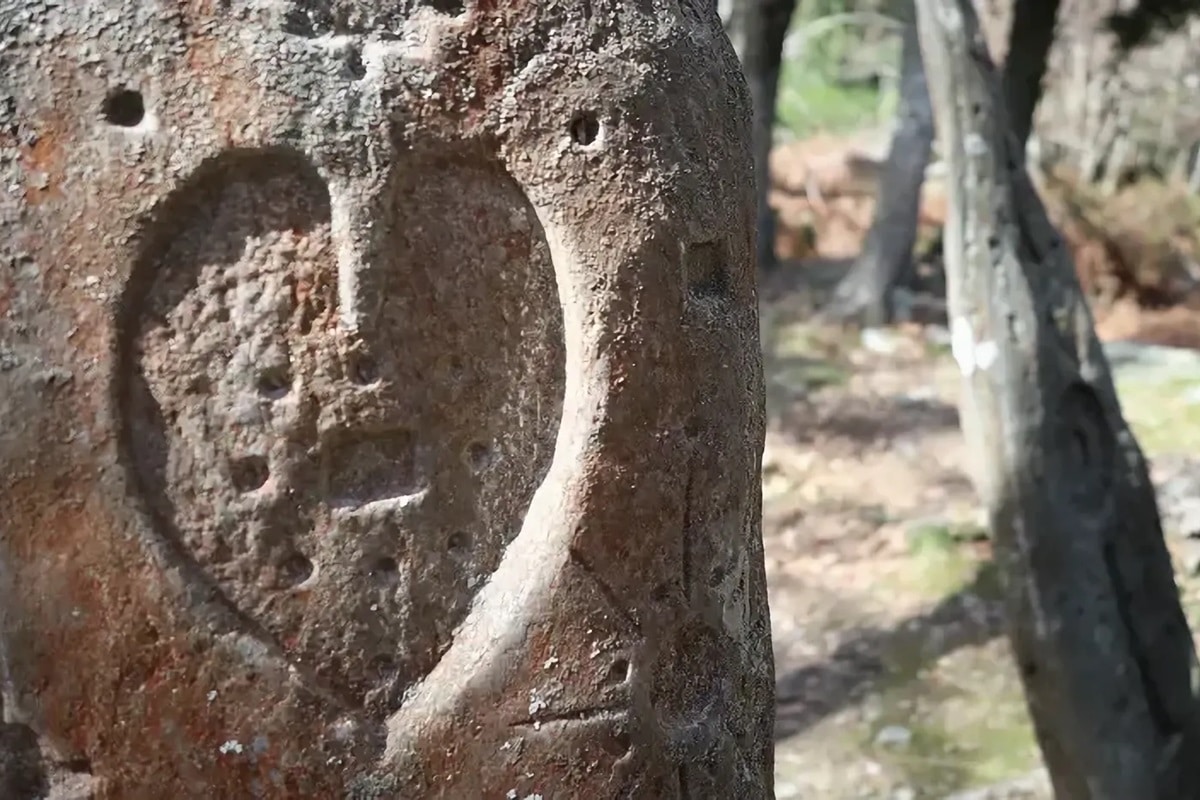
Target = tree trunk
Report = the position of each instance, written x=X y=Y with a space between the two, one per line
x=758 y=28
x=887 y=251
x=1029 y=42
x=886 y=258
x=1101 y=641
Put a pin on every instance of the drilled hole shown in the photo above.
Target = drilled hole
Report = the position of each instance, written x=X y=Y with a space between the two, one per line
x=479 y=456
x=124 y=108
x=199 y=384
x=79 y=764
x=618 y=672
x=382 y=665
x=295 y=570
x=354 y=63
x=584 y=128
x=386 y=570
x=363 y=370
x=249 y=473
x=220 y=552
x=274 y=382
x=459 y=543
x=452 y=7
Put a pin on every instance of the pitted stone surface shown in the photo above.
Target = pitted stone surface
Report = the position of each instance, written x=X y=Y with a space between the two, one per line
x=345 y=492
x=380 y=402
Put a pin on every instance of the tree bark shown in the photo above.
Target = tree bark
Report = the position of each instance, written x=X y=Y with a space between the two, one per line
x=757 y=29
x=886 y=259
x=887 y=250
x=1029 y=42
x=1101 y=641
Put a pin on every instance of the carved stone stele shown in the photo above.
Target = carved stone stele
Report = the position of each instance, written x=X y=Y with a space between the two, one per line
x=380 y=402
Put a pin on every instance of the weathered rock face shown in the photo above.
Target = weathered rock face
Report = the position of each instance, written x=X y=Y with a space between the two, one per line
x=380 y=402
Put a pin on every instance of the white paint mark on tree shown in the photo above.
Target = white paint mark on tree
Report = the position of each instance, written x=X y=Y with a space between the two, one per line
x=962 y=345
x=986 y=354
x=969 y=354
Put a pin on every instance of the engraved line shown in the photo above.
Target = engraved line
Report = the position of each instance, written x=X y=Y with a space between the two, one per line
x=685 y=783
x=686 y=555
x=605 y=590
x=588 y=714
x=341 y=230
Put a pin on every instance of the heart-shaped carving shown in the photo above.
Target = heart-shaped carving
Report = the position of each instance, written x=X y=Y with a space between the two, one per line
x=346 y=490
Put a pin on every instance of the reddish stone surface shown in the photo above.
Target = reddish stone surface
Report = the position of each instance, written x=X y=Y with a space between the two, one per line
x=380 y=403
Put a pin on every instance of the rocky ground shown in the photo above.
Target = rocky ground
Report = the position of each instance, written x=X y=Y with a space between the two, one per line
x=894 y=680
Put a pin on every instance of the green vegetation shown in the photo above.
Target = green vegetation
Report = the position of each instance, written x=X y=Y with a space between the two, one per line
x=811 y=103
x=1162 y=411
x=963 y=716
x=814 y=97
x=966 y=722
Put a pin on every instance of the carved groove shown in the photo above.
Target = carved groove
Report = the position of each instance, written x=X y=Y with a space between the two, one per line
x=607 y=592
x=372 y=466
x=247 y=416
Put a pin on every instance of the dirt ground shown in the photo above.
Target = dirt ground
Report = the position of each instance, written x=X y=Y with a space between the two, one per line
x=893 y=676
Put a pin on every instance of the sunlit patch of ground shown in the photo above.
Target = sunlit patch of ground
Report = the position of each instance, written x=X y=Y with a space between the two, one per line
x=893 y=676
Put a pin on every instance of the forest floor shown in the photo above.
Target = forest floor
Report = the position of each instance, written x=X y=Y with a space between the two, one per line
x=893 y=676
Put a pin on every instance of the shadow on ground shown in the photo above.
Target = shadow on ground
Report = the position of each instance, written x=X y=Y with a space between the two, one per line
x=968 y=617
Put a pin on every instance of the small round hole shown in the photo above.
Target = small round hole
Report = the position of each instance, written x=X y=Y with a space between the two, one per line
x=479 y=456
x=584 y=128
x=458 y=543
x=622 y=741
x=385 y=569
x=124 y=108
x=618 y=672
x=354 y=63
x=382 y=665
x=273 y=382
x=295 y=570
x=249 y=473
x=199 y=384
x=363 y=370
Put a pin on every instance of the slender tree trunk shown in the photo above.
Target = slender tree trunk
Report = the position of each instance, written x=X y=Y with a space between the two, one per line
x=1029 y=42
x=758 y=28
x=886 y=260
x=1101 y=641
x=887 y=251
